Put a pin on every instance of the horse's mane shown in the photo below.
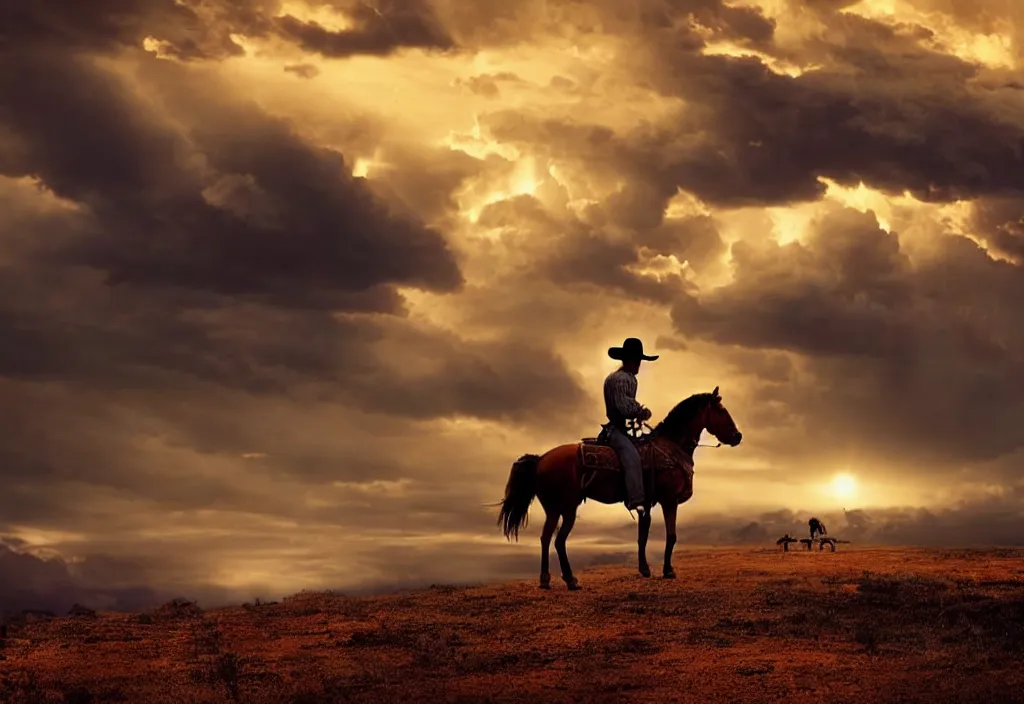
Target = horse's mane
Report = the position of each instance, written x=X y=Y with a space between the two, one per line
x=683 y=412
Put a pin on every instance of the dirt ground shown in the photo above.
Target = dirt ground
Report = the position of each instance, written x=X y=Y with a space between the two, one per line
x=858 y=625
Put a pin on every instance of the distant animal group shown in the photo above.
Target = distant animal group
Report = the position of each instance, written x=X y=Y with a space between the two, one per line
x=818 y=535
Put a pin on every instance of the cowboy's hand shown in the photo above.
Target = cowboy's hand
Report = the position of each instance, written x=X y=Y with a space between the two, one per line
x=645 y=414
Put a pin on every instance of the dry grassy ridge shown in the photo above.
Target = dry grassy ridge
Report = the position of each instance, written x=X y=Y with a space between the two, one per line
x=858 y=625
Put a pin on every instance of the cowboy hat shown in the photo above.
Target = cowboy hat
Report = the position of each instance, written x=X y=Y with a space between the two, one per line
x=631 y=349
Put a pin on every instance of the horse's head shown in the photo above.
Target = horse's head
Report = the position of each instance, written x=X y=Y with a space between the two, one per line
x=719 y=423
x=700 y=412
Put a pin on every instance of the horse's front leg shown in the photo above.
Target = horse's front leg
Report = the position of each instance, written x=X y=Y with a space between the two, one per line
x=568 y=521
x=643 y=531
x=668 y=510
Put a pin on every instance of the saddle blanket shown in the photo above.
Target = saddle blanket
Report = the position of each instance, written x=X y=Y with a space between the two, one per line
x=654 y=456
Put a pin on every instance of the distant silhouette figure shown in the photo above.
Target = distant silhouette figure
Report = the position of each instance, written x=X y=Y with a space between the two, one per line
x=817 y=528
x=784 y=541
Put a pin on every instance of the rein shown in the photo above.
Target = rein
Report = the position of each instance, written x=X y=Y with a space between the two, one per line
x=645 y=425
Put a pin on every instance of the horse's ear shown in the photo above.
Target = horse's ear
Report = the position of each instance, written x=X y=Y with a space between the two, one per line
x=715 y=392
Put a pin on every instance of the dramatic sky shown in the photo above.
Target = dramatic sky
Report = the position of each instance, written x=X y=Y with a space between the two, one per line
x=285 y=287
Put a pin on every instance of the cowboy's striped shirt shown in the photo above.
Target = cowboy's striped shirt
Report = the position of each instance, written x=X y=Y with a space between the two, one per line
x=620 y=397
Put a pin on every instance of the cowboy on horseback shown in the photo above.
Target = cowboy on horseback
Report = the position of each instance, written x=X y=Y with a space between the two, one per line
x=620 y=406
x=564 y=476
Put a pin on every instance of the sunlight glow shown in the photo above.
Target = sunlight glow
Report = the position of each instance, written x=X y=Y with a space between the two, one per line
x=790 y=224
x=685 y=205
x=844 y=486
x=160 y=47
x=37 y=539
x=361 y=169
x=324 y=15
x=30 y=192
x=777 y=66
x=477 y=145
x=867 y=199
x=523 y=180
x=660 y=267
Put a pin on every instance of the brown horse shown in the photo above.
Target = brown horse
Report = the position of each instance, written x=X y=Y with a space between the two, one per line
x=561 y=480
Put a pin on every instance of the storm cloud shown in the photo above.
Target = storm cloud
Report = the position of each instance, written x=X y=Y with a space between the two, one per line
x=254 y=326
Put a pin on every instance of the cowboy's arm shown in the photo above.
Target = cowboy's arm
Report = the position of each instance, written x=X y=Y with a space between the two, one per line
x=624 y=396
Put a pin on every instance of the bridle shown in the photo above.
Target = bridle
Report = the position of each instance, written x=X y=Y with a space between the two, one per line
x=635 y=429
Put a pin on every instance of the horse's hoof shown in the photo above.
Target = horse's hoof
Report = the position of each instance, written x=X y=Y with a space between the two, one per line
x=669 y=574
x=573 y=584
x=545 y=581
x=645 y=571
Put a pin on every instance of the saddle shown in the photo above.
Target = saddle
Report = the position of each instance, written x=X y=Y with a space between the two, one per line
x=655 y=455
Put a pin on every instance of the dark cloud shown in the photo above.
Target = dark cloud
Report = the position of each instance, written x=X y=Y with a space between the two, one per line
x=486 y=84
x=490 y=24
x=203 y=29
x=424 y=373
x=985 y=17
x=671 y=343
x=749 y=136
x=307 y=71
x=188 y=29
x=823 y=5
x=212 y=259
x=31 y=582
x=999 y=222
x=753 y=136
x=269 y=216
x=899 y=348
x=693 y=239
x=200 y=262
x=423 y=183
x=183 y=273
x=596 y=260
x=381 y=364
x=587 y=254
x=378 y=28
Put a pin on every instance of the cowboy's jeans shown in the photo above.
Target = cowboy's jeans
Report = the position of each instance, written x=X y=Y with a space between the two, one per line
x=630 y=459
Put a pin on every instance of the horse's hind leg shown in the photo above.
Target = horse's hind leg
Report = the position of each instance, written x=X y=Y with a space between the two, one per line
x=668 y=510
x=568 y=521
x=550 y=523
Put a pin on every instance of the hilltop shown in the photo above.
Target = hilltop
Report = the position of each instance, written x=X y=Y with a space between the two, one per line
x=736 y=626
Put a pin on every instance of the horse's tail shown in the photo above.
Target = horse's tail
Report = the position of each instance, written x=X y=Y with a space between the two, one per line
x=519 y=494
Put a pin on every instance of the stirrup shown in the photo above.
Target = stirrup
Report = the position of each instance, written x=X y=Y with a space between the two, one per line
x=641 y=509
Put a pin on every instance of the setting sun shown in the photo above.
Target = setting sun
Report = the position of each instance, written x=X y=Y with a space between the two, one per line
x=844 y=486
